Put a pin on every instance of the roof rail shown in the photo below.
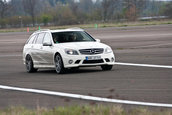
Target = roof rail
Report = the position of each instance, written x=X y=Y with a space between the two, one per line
x=75 y=28
x=41 y=30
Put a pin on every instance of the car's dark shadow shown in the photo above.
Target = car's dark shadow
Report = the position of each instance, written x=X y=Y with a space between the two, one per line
x=72 y=71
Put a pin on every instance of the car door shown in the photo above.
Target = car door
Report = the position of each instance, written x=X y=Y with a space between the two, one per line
x=47 y=50
x=37 y=49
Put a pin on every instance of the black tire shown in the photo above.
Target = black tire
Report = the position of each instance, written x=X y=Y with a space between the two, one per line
x=29 y=65
x=106 y=67
x=59 y=64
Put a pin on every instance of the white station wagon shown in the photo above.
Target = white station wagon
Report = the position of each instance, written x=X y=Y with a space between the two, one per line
x=67 y=48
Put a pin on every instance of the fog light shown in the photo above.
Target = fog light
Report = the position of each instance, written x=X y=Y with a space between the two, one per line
x=70 y=61
x=112 y=59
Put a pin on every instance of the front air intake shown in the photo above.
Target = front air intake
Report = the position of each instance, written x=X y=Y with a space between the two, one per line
x=93 y=61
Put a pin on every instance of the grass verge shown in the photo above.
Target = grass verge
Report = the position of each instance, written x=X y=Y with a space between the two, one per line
x=85 y=110
x=99 y=25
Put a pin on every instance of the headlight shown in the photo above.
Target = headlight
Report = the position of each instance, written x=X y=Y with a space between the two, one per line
x=71 y=52
x=108 y=50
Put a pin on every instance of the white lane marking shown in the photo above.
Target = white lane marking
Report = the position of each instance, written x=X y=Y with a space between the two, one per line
x=85 y=97
x=144 y=65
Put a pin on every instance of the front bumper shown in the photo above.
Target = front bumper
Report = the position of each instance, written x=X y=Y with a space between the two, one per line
x=70 y=61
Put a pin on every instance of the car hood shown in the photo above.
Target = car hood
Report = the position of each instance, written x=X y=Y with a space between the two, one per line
x=81 y=45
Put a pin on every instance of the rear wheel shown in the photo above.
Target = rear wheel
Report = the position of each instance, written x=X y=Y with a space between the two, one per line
x=106 y=67
x=59 y=64
x=29 y=64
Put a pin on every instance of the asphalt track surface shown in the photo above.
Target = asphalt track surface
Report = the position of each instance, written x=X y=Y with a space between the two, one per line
x=140 y=45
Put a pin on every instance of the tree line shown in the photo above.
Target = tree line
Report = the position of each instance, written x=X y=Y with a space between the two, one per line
x=22 y=13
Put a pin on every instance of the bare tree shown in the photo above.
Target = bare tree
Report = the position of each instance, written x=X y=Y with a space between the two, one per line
x=133 y=8
x=110 y=9
x=130 y=9
x=86 y=5
x=73 y=6
x=30 y=8
x=168 y=10
x=3 y=8
x=105 y=6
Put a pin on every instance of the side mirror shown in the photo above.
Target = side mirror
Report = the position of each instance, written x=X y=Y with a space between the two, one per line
x=97 y=40
x=47 y=44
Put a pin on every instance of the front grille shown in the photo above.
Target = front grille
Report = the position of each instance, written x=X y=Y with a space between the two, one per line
x=93 y=61
x=91 y=51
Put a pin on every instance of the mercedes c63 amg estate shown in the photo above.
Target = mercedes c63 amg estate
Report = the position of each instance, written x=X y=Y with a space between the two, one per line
x=68 y=48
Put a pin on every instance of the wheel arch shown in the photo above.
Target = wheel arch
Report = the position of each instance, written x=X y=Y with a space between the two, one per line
x=62 y=69
x=31 y=65
x=28 y=54
x=57 y=53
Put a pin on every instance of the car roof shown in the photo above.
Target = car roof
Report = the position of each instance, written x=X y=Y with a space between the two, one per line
x=59 y=30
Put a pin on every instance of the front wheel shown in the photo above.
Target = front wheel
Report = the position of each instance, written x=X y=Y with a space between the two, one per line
x=106 y=67
x=59 y=64
x=29 y=64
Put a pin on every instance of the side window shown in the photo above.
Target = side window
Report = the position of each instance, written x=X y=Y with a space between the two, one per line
x=35 y=39
x=47 y=38
x=30 y=41
x=40 y=38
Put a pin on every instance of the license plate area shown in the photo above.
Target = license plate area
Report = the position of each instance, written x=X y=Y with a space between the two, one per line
x=92 y=57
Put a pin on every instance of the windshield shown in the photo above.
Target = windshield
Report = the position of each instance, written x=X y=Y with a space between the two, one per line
x=75 y=36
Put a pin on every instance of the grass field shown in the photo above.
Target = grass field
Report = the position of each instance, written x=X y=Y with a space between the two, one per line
x=99 y=25
x=85 y=110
